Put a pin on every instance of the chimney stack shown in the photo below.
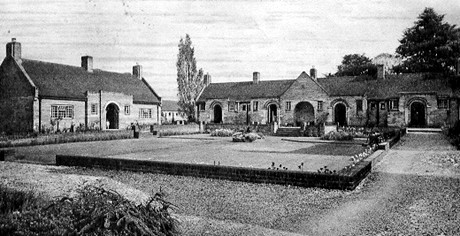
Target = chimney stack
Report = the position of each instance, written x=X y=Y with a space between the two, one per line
x=381 y=71
x=87 y=63
x=13 y=49
x=255 y=77
x=207 y=79
x=137 y=71
x=313 y=72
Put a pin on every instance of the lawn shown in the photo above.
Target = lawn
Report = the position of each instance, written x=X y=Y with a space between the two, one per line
x=203 y=149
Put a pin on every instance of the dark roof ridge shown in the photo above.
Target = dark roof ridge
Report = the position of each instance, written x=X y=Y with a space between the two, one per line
x=76 y=67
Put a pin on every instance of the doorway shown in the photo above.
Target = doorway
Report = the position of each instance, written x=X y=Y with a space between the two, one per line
x=112 y=115
x=340 y=114
x=217 y=114
x=272 y=113
x=417 y=114
x=304 y=113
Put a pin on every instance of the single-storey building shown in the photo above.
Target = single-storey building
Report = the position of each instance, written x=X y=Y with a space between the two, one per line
x=39 y=96
x=171 y=114
x=389 y=100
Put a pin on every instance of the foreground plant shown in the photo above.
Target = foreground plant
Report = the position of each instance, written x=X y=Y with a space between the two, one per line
x=94 y=211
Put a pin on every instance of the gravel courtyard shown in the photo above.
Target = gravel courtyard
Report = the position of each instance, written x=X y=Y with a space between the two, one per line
x=415 y=190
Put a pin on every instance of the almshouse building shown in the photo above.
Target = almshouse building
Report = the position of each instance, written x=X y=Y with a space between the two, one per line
x=38 y=96
x=389 y=100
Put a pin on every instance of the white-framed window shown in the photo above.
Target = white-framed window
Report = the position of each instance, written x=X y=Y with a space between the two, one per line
x=288 y=106
x=231 y=106
x=145 y=113
x=393 y=105
x=382 y=106
x=201 y=106
x=255 y=106
x=443 y=103
x=62 y=111
x=94 y=108
x=127 y=110
x=320 y=106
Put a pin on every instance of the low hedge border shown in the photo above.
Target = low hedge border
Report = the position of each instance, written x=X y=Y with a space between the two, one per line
x=68 y=138
x=345 y=180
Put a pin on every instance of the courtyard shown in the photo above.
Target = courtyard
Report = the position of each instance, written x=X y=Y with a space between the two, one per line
x=207 y=150
x=413 y=191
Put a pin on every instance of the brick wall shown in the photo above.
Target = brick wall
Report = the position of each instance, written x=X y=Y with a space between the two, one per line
x=347 y=179
x=16 y=99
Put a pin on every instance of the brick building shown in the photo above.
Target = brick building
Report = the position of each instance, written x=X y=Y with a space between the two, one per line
x=389 y=100
x=39 y=96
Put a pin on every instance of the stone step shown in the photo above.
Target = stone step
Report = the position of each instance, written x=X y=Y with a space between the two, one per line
x=424 y=130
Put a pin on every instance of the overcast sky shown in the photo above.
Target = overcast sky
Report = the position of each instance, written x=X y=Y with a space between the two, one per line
x=280 y=39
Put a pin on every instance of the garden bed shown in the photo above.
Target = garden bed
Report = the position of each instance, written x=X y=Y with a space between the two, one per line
x=44 y=139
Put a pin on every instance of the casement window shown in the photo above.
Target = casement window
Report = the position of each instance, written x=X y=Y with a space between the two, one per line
x=62 y=111
x=201 y=106
x=393 y=105
x=320 y=106
x=382 y=106
x=127 y=110
x=231 y=106
x=288 y=106
x=359 y=105
x=255 y=106
x=373 y=105
x=443 y=104
x=244 y=106
x=94 y=108
x=145 y=113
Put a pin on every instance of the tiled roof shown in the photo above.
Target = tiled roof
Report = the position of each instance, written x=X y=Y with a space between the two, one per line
x=71 y=82
x=390 y=87
x=246 y=90
x=168 y=105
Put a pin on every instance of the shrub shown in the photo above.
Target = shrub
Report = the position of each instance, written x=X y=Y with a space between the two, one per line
x=339 y=136
x=94 y=211
x=241 y=137
x=222 y=133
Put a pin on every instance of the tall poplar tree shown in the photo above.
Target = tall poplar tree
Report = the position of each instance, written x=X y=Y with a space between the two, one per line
x=189 y=79
x=431 y=45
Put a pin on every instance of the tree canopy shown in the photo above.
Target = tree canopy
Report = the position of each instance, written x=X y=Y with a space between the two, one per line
x=356 y=64
x=431 y=45
x=189 y=79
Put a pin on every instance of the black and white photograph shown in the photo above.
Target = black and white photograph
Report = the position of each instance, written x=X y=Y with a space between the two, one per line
x=239 y=117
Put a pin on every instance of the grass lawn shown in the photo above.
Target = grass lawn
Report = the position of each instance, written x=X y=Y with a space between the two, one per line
x=203 y=149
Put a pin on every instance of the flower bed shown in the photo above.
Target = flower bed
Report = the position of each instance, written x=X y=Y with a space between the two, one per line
x=339 y=136
x=44 y=139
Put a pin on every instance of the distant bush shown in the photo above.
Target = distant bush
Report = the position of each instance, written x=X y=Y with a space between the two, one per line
x=339 y=136
x=94 y=211
x=248 y=137
x=164 y=133
x=70 y=137
x=222 y=133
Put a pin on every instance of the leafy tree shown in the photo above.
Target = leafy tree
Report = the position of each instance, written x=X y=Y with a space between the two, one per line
x=189 y=80
x=354 y=65
x=431 y=45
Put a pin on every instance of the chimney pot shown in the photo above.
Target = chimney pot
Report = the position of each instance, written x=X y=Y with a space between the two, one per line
x=137 y=71
x=256 y=77
x=313 y=73
x=13 y=49
x=207 y=79
x=87 y=63
x=381 y=71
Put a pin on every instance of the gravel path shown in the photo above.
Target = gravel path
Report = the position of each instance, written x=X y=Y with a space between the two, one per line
x=414 y=191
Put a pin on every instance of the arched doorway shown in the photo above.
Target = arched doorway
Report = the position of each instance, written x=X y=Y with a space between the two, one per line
x=304 y=113
x=417 y=114
x=272 y=113
x=217 y=114
x=340 y=114
x=112 y=113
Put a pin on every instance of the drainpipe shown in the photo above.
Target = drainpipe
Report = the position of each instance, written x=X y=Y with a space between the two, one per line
x=100 y=109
